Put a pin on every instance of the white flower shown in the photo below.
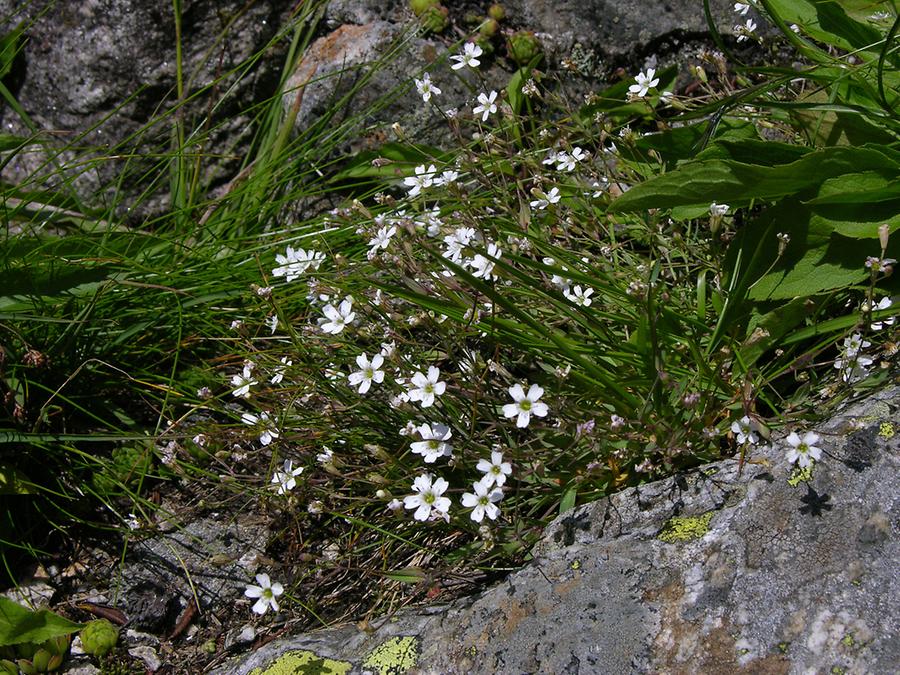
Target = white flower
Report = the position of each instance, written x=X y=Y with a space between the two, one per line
x=743 y=430
x=457 y=241
x=423 y=178
x=483 y=500
x=382 y=238
x=803 y=450
x=336 y=319
x=388 y=349
x=552 y=157
x=428 y=497
x=295 y=262
x=579 y=296
x=853 y=344
x=741 y=8
x=469 y=57
x=495 y=470
x=368 y=372
x=278 y=374
x=484 y=267
x=267 y=430
x=433 y=443
x=286 y=479
x=884 y=303
x=426 y=87
x=643 y=83
x=544 y=199
x=852 y=363
x=718 y=210
x=446 y=178
x=326 y=456
x=525 y=405
x=266 y=593
x=243 y=382
x=426 y=388
x=744 y=31
x=486 y=105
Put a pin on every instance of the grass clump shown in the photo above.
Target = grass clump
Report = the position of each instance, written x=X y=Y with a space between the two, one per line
x=564 y=301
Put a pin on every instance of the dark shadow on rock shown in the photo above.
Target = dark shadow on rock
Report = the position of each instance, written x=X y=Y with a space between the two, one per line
x=814 y=503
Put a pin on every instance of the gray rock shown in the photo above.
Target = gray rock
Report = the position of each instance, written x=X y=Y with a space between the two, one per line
x=337 y=81
x=340 y=12
x=95 y=72
x=153 y=588
x=615 y=27
x=148 y=655
x=727 y=569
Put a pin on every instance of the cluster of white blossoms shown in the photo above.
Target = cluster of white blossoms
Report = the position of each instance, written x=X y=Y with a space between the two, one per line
x=745 y=30
x=296 y=262
x=852 y=363
x=427 y=500
x=802 y=450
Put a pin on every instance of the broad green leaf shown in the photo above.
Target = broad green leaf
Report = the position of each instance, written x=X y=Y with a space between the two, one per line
x=828 y=22
x=766 y=331
x=752 y=150
x=726 y=181
x=19 y=624
x=857 y=188
x=683 y=143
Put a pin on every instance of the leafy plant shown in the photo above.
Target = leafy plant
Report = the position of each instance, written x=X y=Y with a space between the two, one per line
x=32 y=641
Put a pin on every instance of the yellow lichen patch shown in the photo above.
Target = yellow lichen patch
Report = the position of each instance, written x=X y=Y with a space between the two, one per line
x=394 y=657
x=303 y=661
x=685 y=528
x=886 y=430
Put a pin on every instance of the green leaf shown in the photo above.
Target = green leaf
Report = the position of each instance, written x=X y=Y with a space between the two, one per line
x=10 y=44
x=726 y=181
x=401 y=158
x=858 y=188
x=682 y=143
x=13 y=481
x=19 y=624
x=766 y=331
x=407 y=575
x=514 y=89
x=567 y=503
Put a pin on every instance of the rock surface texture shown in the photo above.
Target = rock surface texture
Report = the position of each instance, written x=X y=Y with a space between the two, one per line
x=725 y=570
x=94 y=73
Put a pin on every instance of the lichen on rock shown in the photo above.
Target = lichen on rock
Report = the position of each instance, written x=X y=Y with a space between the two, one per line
x=394 y=656
x=685 y=528
x=304 y=661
